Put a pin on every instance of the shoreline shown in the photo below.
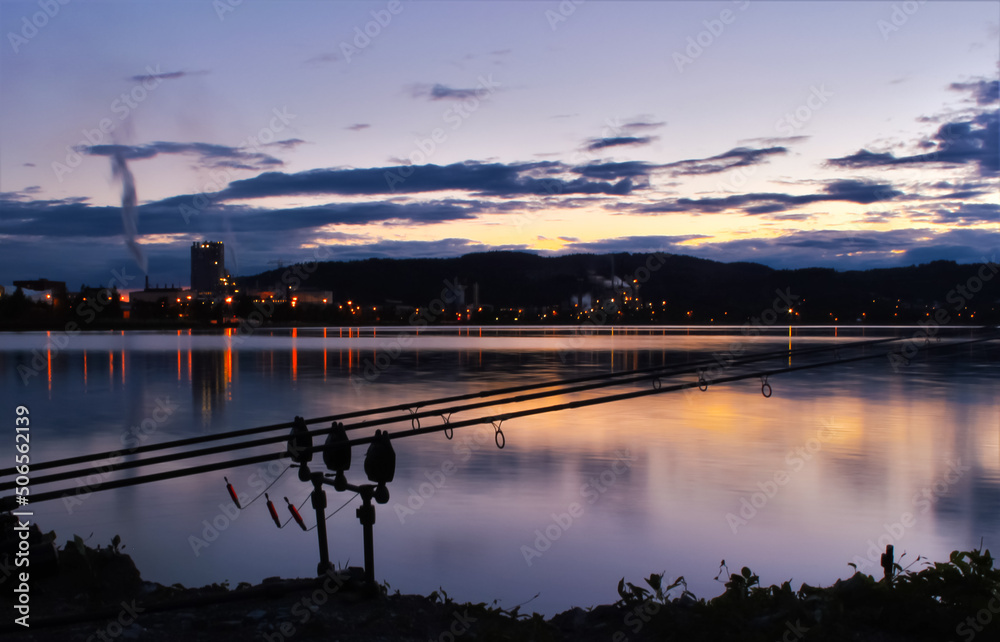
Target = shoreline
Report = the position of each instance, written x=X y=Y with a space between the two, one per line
x=442 y=327
x=83 y=593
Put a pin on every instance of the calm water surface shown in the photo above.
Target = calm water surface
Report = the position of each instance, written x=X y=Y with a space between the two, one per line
x=794 y=486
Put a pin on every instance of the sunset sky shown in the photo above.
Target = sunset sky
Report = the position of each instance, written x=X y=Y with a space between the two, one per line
x=841 y=134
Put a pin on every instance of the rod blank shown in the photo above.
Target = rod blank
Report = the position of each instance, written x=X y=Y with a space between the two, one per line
x=610 y=378
x=114 y=461
x=7 y=503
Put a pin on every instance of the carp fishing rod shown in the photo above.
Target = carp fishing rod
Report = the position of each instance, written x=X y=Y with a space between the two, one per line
x=111 y=462
x=9 y=502
x=606 y=379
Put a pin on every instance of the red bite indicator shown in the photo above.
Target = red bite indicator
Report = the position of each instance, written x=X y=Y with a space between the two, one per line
x=295 y=514
x=232 y=493
x=274 y=511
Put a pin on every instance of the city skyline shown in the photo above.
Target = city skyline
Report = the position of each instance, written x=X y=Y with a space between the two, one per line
x=846 y=135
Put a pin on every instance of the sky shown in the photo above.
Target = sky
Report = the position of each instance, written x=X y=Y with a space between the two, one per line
x=849 y=135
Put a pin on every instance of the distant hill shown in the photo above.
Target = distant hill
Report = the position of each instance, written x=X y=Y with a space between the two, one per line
x=711 y=291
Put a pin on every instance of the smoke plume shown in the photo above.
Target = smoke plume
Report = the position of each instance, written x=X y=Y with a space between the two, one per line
x=130 y=210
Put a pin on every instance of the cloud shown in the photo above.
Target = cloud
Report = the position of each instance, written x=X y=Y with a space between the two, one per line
x=641 y=124
x=736 y=157
x=322 y=58
x=438 y=91
x=856 y=191
x=357 y=214
x=487 y=179
x=129 y=152
x=22 y=194
x=650 y=243
x=767 y=208
x=290 y=143
x=957 y=143
x=853 y=191
x=75 y=219
x=630 y=133
x=72 y=232
x=356 y=127
x=168 y=75
x=966 y=140
x=210 y=154
x=75 y=261
x=961 y=195
x=776 y=140
x=968 y=213
x=840 y=249
x=595 y=144
x=56 y=218
x=612 y=171
x=448 y=247
x=951 y=185
x=984 y=92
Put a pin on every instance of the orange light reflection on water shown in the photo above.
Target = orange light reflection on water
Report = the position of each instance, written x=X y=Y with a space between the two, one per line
x=857 y=443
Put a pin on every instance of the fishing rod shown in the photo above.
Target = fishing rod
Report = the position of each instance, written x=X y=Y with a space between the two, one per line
x=414 y=406
x=8 y=503
x=621 y=378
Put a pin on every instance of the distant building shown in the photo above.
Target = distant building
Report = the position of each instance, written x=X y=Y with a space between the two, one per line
x=164 y=303
x=51 y=292
x=208 y=267
x=158 y=295
x=311 y=297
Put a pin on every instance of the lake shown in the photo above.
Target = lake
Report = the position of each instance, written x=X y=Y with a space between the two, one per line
x=835 y=464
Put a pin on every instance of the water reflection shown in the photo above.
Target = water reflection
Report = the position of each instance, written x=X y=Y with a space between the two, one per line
x=210 y=379
x=889 y=436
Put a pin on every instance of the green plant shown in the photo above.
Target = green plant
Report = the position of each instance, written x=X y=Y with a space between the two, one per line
x=740 y=585
x=966 y=581
x=630 y=594
x=442 y=597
